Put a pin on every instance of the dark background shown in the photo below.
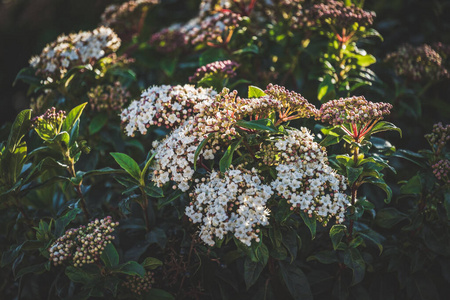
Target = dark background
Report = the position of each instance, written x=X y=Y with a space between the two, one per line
x=26 y=26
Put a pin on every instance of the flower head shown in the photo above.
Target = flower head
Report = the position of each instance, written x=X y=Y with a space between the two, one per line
x=49 y=124
x=439 y=137
x=108 y=97
x=441 y=170
x=222 y=69
x=83 y=245
x=233 y=202
x=140 y=285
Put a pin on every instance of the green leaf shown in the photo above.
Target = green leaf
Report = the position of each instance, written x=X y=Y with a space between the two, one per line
x=19 y=128
x=325 y=257
x=109 y=256
x=148 y=162
x=330 y=140
x=152 y=263
x=290 y=241
x=158 y=294
x=62 y=222
x=249 y=49
x=262 y=124
x=379 y=182
x=413 y=186
x=389 y=217
x=310 y=223
x=36 y=269
x=385 y=126
x=97 y=123
x=128 y=164
x=372 y=236
x=72 y=117
x=337 y=232
x=296 y=281
x=255 y=92
x=227 y=157
x=252 y=271
x=103 y=171
x=80 y=275
x=365 y=60
x=447 y=203
x=157 y=236
x=212 y=55
x=169 y=199
x=200 y=147
x=326 y=89
x=27 y=75
x=130 y=268
x=168 y=65
x=153 y=191
x=353 y=174
x=354 y=260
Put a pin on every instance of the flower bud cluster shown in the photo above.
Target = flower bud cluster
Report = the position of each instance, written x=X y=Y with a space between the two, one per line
x=140 y=285
x=353 y=110
x=216 y=28
x=441 y=170
x=75 y=49
x=337 y=14
x=108 y=97
x=307 y=182
x=292 y=104
x=83 y=245
x=233 y=202
x=291 y=12
x=439 y=137
x=208 y=6
x=418 y=63
x=169 y=39
x=124 y=19
x=222 y=69
x=49 y=124
x=164 y=105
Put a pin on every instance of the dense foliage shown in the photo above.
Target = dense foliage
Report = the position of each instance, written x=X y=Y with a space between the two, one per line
x=227 y=154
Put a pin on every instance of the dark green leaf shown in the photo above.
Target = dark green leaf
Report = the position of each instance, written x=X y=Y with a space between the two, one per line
x=212 y=55
x=28 y=75
x=337 y=232
x=324 y=257
x=153 y=191
x=289 y=240
x=379 y=182
x=255 y=92
x=413 y=186
x=72 y=117
x=389 y=217
x=157 y=236
x=80 y=275
x=109 y=256
x=97 y=123
x=296 y=281
x=35 y=269
x=169 y=199
x=252 y=271
x=385 y=126
x=128 y=164
x=310 y=222
x=447 y=203
x=62 y=222
x=130 y=268
x=353 y=174
x=353 y=260
x=148 y=162
x=227 y=157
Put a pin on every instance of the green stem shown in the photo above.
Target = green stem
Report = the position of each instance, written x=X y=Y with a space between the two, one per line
x=354 y=191
x=144 y=205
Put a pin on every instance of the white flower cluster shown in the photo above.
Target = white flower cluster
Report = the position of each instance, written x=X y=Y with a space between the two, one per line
x=75 y=49
x=163 y=106
x=233 y=203
x=175 y=157
x=306 y=180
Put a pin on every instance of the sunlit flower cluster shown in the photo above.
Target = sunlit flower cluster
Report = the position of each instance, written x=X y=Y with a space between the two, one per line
x=125 y=19
x=441 y=170
x=339 y=15
x=108 y=97
x=306 y=180
x=174 y=159
x=222 y=69
x=49 y=124
x=418 y=63
x=292 y=12
x=233 y=202
x=75 y=49
x=140 y=285
x=353 y=110
x=164 y=105
x=83 y=245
